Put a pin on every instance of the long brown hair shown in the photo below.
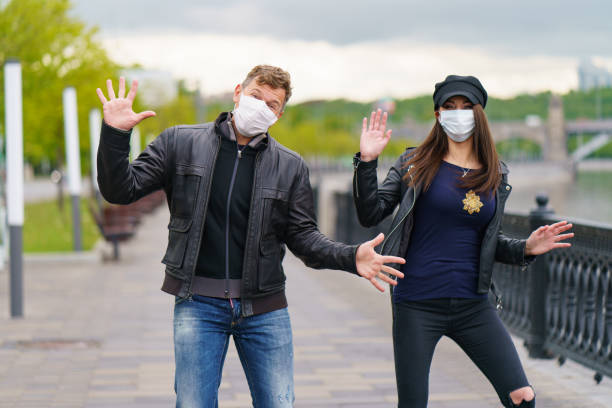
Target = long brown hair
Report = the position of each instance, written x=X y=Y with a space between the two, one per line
x=424 y=164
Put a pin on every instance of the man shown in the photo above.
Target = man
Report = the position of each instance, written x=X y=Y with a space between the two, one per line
x=236 y=198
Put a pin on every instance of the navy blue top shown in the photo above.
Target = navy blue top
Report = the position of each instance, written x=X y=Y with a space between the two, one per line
x=444 y=251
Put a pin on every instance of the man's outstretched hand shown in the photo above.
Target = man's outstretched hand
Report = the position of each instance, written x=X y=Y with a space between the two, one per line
x=371 y=265
x=118 y=111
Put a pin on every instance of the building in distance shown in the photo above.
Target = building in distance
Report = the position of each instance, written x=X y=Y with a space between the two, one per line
x=592 y=76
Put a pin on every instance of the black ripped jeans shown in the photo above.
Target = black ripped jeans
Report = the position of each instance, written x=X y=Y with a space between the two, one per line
x=473 y=324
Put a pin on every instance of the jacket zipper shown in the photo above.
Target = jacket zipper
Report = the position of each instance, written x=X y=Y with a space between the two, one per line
x=356 y=182
x=246 y=242
x=399 y=223
x=189 y=290
x=227 y=221
x=402 y=220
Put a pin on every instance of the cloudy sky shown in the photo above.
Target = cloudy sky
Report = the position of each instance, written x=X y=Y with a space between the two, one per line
x=360 y=49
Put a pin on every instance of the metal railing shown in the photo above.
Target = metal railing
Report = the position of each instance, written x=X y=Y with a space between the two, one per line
x=562 y=304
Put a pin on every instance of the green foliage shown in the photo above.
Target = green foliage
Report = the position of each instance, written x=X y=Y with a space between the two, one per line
x=579 y=104
x=420 y=108
x=181 y=110
x=55 y=51
x=49 y=229
x=519 y=107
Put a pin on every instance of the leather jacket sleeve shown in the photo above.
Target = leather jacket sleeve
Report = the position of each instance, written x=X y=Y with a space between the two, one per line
x=122 y=182
x=511 y=251
x=374 y=203
x=304 y=238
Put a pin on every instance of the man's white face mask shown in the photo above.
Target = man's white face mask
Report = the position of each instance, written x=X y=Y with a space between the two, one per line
x=253 y=117
x=458 y=123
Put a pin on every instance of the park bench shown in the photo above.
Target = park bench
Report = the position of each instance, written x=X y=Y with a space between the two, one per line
x=117 y=223
x=113 y=225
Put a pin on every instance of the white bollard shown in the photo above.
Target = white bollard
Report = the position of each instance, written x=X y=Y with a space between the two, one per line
x=95 y=124
x=71 y=129
x=135 y=143
x=14 y=180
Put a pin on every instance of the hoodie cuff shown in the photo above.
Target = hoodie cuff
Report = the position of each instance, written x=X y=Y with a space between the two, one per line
x=117 y=138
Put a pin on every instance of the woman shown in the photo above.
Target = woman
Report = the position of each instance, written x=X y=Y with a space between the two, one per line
x=451 y=192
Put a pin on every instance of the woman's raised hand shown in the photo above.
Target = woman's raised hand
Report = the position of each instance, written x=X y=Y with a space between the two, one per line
x=548 y=237
x=373 y=136
x=118 y=111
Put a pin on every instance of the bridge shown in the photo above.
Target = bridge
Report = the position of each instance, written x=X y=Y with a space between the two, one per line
x=553 y=133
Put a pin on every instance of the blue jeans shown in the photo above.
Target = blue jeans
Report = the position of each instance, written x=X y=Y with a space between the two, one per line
x=202 y=328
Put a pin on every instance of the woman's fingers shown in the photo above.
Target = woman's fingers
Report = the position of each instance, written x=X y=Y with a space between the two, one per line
x=383 y=124
x=111 y=91
x=377 y=121
x=557 y=224
x=364 y=125
x=121 y=92
x=564 y=236
x=561 y=245
x=372 y=117
x=101 y=96
x=562 y=228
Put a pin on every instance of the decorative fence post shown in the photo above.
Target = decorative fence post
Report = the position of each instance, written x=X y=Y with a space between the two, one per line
x=538 y=282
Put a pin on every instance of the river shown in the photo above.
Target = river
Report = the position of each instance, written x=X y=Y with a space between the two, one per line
x=588 y=197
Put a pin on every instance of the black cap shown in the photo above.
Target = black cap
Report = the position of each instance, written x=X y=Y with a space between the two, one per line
x=468 y=86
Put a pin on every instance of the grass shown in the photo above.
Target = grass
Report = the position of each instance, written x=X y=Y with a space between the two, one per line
x=47 y=229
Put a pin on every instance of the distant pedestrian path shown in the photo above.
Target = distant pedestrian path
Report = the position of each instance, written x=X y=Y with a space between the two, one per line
x=42 y=189
x=100 y=335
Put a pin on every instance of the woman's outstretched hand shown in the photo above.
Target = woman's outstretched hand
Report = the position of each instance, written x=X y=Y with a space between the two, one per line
x=373 y=137
x=371 y=265
x=118 y=111
x=547 y=237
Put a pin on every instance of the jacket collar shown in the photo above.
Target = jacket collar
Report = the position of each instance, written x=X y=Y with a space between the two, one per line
x=224 y=129
x=503 y=168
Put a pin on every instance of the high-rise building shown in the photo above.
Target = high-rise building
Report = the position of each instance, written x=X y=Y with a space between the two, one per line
x=591 y=76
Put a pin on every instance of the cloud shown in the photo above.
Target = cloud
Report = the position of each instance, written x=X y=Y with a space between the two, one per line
x=521 y=27
x=360 y=71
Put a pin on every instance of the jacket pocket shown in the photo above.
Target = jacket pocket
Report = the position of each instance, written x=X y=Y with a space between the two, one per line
x=275 y=213
x=270 y=270
x=177 y=241
x=185 y=188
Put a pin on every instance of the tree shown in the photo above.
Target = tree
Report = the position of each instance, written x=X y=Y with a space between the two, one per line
x=56 y=50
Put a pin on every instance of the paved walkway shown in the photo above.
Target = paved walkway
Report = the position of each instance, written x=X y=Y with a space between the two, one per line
x=100 y=335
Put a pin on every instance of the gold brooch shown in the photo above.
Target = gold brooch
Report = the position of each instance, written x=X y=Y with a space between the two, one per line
x=471 y=202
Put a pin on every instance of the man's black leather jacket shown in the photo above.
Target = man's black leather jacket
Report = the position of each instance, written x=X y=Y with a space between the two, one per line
x=181 y=161
x=374 y=203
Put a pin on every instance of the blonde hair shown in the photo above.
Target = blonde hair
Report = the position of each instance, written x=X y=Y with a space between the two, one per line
x=269 y=75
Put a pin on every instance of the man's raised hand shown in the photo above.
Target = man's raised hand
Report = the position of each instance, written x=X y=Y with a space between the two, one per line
x=371 y=265
x=118 y=111
x=374 y=138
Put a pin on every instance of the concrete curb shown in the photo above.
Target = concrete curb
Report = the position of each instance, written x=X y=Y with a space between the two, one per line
x=94 y=255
